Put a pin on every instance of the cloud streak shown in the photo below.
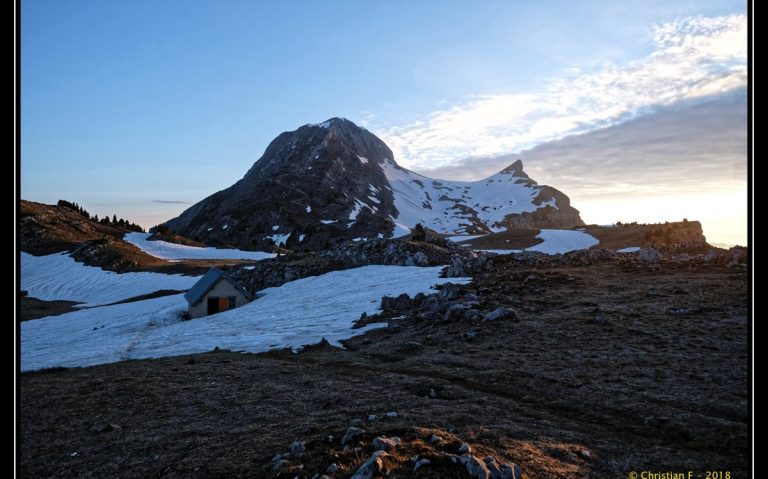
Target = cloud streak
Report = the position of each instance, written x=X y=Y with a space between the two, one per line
x=694 y=146
x=171 y=202
x=691 y=58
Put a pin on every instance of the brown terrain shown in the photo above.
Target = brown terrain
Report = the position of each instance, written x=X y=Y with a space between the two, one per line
x=589 y=364
x=611 y=237
x=33 y=308
x=633 y=234
x=46 y=229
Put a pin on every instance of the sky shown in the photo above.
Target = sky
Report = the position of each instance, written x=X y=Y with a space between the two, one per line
x=637 y=110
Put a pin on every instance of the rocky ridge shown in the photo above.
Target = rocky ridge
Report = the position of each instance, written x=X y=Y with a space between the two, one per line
x=327 y=183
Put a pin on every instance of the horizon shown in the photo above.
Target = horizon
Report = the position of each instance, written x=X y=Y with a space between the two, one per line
x=637 y=113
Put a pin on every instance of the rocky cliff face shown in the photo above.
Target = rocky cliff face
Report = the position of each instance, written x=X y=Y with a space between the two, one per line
x=334 y=181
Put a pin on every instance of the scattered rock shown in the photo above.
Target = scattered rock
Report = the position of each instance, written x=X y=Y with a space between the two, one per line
x=418 y=259
x=511 y=470
x=493 y=467
x=108 y=428
x=584 y=454
x=372 y=417
x=370 y=467
x=401 y=302
x=351 y=434
x=421 y=463
x=455 y=312
x=297 y=448
x=332 y=468
x=465 y=448
x=385 y=443
x=278 y=462
x=472 y=314
x=500 y=313
x=469 y=335
x=650 y=255
x=434 y=439
x=475 y=467
x=449 y=291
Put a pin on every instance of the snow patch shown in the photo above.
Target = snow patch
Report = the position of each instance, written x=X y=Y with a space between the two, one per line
x=630 y=249
x=279 y=238
x=459 y=239
x=297 y=313
x=555 y=242
x=501 y=251
x=60 y=277
x=362 y=159
x=328 y=222
x=173 y=251
x=356 y=210
x=563 y=241
x=309 y=209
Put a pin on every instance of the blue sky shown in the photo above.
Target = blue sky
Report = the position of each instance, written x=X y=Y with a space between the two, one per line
x=144 y=107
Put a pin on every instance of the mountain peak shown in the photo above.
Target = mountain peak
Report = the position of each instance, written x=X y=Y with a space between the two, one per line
x=334 y=181
x=335 y=121
x=516 y=167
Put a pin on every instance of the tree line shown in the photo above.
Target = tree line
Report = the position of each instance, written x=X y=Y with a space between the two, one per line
x=114 y=221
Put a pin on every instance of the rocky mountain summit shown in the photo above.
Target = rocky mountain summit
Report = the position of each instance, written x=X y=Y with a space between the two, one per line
x=334 y=181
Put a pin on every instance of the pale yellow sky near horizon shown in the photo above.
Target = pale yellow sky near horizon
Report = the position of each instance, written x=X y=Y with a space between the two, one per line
x=723 y=214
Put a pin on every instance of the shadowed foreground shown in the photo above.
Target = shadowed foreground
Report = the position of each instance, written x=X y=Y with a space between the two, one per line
x=605 y=367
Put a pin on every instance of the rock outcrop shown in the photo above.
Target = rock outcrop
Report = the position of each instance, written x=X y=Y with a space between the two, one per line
x=327 y=183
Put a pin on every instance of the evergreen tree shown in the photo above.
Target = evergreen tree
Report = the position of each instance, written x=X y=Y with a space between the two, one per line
x=419 y=233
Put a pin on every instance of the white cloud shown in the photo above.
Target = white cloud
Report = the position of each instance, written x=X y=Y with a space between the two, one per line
x=692 y=58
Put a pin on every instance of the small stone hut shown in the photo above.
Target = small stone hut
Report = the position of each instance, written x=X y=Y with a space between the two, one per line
x=214 y=293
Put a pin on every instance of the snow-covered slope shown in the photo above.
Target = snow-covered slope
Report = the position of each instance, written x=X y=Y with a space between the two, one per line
x=461 y=207
x=294 y=314
x=166 y=250
x=58 y=276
